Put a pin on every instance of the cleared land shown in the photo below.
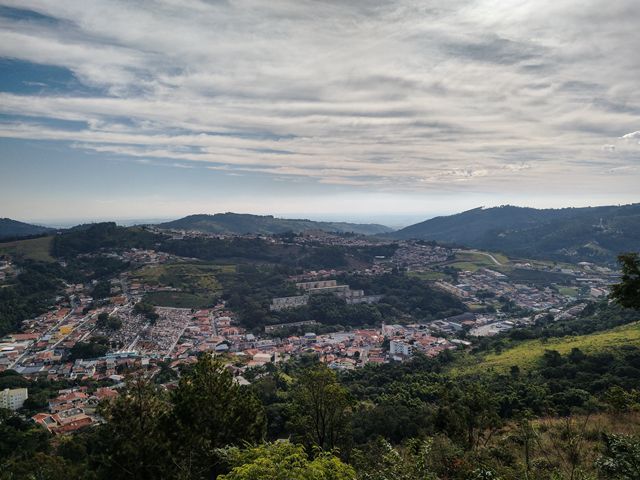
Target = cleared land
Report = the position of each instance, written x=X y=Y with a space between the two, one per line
x=197 y=283
x=200 y=277
x=568 y=291
x=472 y=261
x=32 y=248
x=527 y=354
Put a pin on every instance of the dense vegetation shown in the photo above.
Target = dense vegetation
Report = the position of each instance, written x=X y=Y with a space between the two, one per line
x=100 y=236
x=411 y=419
x=29 y=295
x=249 y=292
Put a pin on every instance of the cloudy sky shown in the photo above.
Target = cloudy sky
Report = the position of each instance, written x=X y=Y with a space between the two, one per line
x=360 y=109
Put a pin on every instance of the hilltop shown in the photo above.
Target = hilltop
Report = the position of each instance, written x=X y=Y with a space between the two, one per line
x=236 y=223
x=571 y=234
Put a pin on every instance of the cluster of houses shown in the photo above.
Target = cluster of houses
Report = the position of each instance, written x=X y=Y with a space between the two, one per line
x=73 y=409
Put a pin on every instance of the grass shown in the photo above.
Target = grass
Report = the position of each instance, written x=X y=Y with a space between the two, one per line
x=568 y=291
x=553 y=439
x=466 y=266
x=197 y=283
x=472 y=261
x=527 y=354
x=502 y=258
x=194 y=277
x=32 y=248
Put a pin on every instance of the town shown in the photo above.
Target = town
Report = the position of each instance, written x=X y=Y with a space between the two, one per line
x=102 y=340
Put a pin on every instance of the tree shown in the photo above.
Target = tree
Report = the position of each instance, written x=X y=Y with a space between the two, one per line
x=321 y=408
x=211 y=411
x=146 y=309
x=627 y=292
x=108 y=322
x=135 y=442
x=101 y=290
x=283 y=461
x=621 y=457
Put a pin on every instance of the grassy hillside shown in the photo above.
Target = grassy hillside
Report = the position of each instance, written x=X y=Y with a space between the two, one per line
x=527 y=354
x=33 y=249
x=197 y=283
x=185 y=276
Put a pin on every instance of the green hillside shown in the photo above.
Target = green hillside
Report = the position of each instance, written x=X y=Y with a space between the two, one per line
x=527 y=354
x=33 y=248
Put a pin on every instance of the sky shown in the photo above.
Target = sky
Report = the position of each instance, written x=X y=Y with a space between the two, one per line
x=360 y=110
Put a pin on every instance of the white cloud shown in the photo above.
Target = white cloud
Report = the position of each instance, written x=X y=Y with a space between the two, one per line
x=389 y=95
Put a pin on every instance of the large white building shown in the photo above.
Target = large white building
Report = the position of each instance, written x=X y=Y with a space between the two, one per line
x=398 y=347
x=14 y=398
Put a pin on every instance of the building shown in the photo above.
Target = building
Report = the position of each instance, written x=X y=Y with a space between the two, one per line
x=14 y=398
x=397 y=347
x=321 y=287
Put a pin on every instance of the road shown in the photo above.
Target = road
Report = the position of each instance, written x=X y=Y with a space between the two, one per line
x=493 y=259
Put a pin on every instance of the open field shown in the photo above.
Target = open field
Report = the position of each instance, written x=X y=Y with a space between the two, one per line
x=478 y=258
x=193 y=277
x=467 y=266
x=32 y=248
x=527 y=354
x=472 y=261
x=568 y=291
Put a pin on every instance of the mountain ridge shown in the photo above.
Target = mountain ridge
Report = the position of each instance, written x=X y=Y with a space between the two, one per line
x=10 y=228
x=245 y=223
x=576 y=234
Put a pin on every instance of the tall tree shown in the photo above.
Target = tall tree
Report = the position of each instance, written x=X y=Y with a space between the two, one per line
x=321 y=407
x=211 y=411
x=135 y=444
x=627 y=292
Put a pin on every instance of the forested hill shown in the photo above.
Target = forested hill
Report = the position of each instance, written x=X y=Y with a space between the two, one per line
x=235 y=223
x=573 y=234
x=13 y=229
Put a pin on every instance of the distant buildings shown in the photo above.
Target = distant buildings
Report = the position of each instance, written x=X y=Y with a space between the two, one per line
x=322 y=287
